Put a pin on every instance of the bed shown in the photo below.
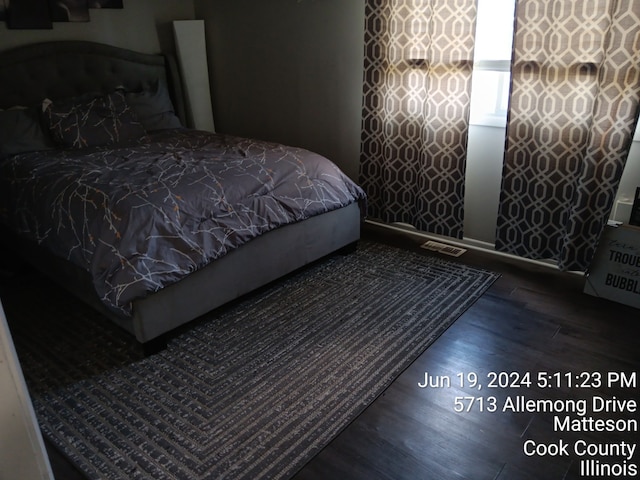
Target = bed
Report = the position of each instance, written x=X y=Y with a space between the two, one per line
x=106 y=189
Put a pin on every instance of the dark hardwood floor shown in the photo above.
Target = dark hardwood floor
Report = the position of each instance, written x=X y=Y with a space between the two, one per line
x=533 y=319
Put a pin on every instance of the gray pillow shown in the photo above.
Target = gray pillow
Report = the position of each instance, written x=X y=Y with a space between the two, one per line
x=103 y=120
x=153 y=108
x=21 y=131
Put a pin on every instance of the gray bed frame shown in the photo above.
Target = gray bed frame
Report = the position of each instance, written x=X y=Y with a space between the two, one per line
x=56 y=70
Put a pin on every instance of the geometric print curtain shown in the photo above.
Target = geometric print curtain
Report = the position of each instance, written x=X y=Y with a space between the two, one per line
x=573 y=110
x=417 y=90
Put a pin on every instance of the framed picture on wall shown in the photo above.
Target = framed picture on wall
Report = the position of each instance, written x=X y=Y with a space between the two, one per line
x=105 y=3
x=42 y=13
x=28 y=14
x=69 y=10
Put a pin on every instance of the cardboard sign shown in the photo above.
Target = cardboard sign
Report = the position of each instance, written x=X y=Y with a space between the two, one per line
x=615 y=270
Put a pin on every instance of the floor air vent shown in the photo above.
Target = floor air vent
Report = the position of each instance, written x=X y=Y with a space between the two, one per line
x=443 y=248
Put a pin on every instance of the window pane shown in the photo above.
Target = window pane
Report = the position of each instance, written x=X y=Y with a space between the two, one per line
x=490 y=93
x=494 y=29
x=491 y=75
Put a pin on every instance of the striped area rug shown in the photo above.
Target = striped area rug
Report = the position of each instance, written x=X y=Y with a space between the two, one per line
x=253 y=390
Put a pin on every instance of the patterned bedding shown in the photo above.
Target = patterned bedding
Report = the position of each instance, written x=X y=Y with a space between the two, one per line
x=142 y=216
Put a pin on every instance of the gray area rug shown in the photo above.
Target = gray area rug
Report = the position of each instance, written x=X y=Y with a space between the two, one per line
x=253 y=390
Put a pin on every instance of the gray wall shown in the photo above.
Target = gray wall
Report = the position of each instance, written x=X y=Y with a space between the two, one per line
x=142 y=25
x=288 y=71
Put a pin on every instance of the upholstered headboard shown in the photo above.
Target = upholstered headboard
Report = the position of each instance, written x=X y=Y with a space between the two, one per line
x=57 y=70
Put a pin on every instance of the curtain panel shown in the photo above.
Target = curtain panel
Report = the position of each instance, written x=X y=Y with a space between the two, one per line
x=417 y=90
x=573 y=110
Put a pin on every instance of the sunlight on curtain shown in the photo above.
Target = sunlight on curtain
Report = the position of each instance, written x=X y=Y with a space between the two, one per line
x=573 y=110
x=418 y=66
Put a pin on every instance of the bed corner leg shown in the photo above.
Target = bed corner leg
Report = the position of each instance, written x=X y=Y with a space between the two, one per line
x=154 y=346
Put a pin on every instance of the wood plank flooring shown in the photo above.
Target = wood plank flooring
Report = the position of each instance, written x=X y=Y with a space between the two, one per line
x=532 y=319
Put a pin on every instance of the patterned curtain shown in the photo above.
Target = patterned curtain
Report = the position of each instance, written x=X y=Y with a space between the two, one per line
x=573 y=110
x=418 y=65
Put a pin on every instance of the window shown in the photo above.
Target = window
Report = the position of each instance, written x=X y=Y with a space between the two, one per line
x=492 y=62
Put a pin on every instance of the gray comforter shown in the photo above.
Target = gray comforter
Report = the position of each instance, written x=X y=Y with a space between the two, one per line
x=142 y=216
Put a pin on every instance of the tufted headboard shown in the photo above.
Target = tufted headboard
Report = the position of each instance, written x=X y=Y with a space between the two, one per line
x=63 y=69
